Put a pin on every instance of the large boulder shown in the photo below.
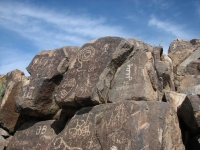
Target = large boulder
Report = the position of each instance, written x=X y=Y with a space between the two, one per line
x=37 y=98
x=88 y=82
x=136 y=79
x=35 y=135
x=9 y=119
x=185 y=56
x=124 y=125
x=49 y=63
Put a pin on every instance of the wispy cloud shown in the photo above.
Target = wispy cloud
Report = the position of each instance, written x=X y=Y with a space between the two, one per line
x=48 y=29
x=176 y=30
x=35 y=23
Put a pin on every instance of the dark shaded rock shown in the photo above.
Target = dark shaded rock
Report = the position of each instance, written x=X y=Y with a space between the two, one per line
x=157 y=52
x=37 y=98
x=194 y=144
x=125 y=125
x=186 y=114
x=9 y=119
x=35 y=135
x=136 y=79
x=88 y=82
x=195 y=101
x=50 y=63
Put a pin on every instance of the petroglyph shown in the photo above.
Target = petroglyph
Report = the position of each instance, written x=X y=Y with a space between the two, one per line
x=128 y=70
x=82 y=128
x=59 y=143
x=41 y=130
x=85 y=55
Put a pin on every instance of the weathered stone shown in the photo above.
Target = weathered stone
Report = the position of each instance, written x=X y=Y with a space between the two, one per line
x=124 y=125
x=136 y=79
x=192 y=90
x=186 y=82
x=9 y=119
x=35 y=135
x=186 y=114
x=88 y=82
x=190 y=65
x=2 y=86
x=4 y=133
x=157 y=52
x=195 y=101
x=49 y=63
x=168 y=76
x=2 y=143
x=138 y=44
x=179 y=50
x=37 y=98
x=175 y=99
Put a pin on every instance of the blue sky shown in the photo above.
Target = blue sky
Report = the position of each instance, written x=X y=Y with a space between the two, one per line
x=29 y=26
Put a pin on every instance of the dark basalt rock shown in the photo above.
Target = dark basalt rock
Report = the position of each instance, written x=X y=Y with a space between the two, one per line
x=88 y=82
x=49 y=63
x=125 y=125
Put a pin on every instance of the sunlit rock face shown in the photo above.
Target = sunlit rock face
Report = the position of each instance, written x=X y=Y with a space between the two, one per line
x=111 y=93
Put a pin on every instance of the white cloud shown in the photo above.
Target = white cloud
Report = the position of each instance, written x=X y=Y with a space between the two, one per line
x=55 y=29
x=169 y=27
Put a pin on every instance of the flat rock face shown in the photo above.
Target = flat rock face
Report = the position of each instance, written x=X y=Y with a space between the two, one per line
x=125 y=125
x=136 y=79
x=52 y=62
x=9 y=119
x=37 y=98
x=32 y=135
x=88 y=82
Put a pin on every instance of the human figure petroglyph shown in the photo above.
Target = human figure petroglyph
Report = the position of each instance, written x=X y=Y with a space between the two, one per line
x=105 y=52
x=87 y=85
x=85 y=55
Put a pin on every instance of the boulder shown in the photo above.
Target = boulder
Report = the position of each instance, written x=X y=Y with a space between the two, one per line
x=35 y=135
x=88 y=81
x=185 y=83
x=124 y=125
x=37 y=98
x=50 y=63
x=9 y=119
x=136 y=79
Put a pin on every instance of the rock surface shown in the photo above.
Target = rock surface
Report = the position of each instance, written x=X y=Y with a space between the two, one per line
x=49 y=63
x=123 y=126
x=9 y=119
x=88 y=82
x=35 y=135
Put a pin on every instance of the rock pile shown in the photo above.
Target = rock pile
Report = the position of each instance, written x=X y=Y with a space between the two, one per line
x=110 y=94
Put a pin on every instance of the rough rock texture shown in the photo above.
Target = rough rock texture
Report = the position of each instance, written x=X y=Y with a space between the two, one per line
x=37 y=98
x=88 y=82
x=175 y=99
x=49 y=63
x=2 y=143
x=122 y=126
x=9 y=119
x=35 y=135
x=195 y=101
x=138 y=69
